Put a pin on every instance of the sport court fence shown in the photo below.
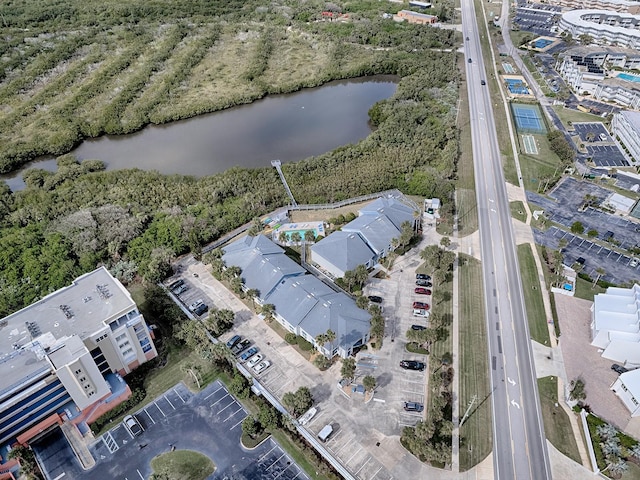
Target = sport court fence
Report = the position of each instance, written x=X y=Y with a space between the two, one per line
x=528 y=118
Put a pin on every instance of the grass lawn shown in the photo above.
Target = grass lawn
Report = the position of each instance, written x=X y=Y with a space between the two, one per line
x=517 y=210
x=557 y=425
x=415 y=348
x=586 y=290
x=182 y=465
x=473 y=379
x=536 y=168
x=532 y=295
x=571 y=116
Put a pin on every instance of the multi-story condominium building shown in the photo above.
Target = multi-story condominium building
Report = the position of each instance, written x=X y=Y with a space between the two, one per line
x=617 y=91
x=626 y=128
x=62 y=358
x=604 y=27
x=623 y=6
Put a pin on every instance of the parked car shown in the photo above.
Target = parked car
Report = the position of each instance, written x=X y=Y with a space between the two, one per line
x=176 y=284
x=424 y=283
x=413 y=407
x=133 y=425
x=248 y=354
x=482 y=82
x=422 y=291
x=240 y=347
x=262 y=366
x=180 y=289
x=412 y=365
x=253 y=361
x=233 y=341
x=195 y=305
x=469 y=60
x=201 y=309
x=423 y=276
x=421 y=305
x=375 y=299
x=420 y=312
x=418 y=327
x=619 y=368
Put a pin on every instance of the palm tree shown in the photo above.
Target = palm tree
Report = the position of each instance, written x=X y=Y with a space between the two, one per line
x=296 y=237
x=268 y=310
x=328 y=337
x=282 y=237
x=309 y=236
x=253 y=293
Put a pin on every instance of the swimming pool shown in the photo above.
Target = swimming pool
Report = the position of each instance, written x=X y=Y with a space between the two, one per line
x=629 y=77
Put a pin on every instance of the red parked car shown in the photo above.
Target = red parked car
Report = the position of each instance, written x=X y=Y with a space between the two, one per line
x=421 y=305
x=422 y=291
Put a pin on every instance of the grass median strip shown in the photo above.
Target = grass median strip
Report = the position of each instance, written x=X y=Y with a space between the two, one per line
x=533 y=296
x=475 y=433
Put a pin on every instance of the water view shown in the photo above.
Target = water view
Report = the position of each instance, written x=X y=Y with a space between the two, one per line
x=287 y=127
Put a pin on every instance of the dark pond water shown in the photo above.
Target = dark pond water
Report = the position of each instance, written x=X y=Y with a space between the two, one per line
x=287 y=127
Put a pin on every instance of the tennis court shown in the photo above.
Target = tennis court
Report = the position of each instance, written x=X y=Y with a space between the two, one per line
x=528 y=118
x=529 y=142
x=517 y=86
x=508 y=68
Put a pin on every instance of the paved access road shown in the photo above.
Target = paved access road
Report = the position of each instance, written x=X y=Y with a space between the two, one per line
x=519 y=448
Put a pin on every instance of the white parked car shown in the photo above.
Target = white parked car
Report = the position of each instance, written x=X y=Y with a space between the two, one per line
x=262 y=366
x=133 y=425
x=253 y=361
x=195 y=305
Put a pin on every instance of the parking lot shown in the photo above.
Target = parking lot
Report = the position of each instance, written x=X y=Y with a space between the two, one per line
x=537 y=18
x=606 y=156
x=208 y=422
x=191 y=295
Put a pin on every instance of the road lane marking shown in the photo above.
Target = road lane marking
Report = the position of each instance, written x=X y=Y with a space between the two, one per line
x=515 y=404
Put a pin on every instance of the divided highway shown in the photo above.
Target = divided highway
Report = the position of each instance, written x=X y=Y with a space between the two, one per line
x=519 y=445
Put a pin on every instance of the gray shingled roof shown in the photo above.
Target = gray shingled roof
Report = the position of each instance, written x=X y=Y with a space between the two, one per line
x=340 y=314
x=393 y=209
x=294 y=297
x=346 y=250
x=262 y=262
x=378 y=232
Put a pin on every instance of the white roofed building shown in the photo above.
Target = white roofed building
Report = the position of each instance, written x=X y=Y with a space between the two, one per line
x=615 y=324
x=627 y=388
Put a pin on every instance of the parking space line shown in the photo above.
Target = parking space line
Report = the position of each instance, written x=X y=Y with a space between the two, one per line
x=231 y=416
x=141 y=477
x=356 y=452
x=226 y=407
x=267 y=454
x=288 y=466
x=150 y=417
x=374 y=475
x=167 y=399
x=179 y=395
x=218 y=401
x=237 y=424
x=213 y=393
x=275 y=462
x=363 y=465
x=156 y=404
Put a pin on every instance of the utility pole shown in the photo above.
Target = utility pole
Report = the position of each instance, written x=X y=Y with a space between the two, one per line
x=466 y=414
x=276 y=163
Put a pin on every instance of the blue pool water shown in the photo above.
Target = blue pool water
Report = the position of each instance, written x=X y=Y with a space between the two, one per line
x=542 y=43
x=629 y=77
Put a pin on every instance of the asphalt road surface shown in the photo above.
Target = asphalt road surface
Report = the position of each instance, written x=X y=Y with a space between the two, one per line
x=519 y=445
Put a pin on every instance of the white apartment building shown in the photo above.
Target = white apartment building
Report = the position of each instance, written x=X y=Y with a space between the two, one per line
x=626 y=129
x=604 y=27
x=624 y=6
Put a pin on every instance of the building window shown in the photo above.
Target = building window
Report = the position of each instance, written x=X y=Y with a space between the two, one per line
x=120 y=337
x=82 y=379
x=127 y=352
x=79 y=371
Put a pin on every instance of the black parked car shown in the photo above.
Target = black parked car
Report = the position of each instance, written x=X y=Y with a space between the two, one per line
x=424 y=283
x=240 y=347
x=423 y=276
x=200 y=309
x=619 y=368
x=375 y=299
x=413 y=407
x=412 y=365
x=418 y=327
